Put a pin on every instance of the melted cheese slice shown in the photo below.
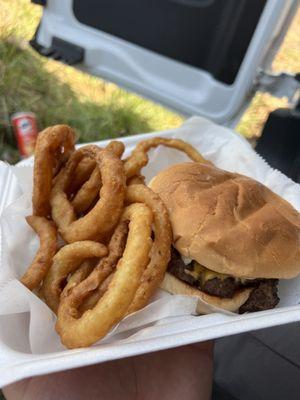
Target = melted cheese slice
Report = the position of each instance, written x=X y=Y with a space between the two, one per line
x=203 y=274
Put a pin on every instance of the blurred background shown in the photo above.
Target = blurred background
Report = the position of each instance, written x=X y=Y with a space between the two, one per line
x=57 y=93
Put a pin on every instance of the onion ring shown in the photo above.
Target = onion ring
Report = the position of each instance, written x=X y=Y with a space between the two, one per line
x=161 y=250
x=94 y=297
x=67 y=260
x=139 y=158
x=136 y=180
x=81 y=174
x=90 y=189
x=41 y=263
x=87 y=193
x=53 y=144
x=103 y=217
x=80 y=274
x=103 y=269
x=111 y=308
x=116 y=147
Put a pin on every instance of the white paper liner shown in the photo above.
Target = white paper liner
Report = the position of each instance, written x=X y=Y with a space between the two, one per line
x=27 y=324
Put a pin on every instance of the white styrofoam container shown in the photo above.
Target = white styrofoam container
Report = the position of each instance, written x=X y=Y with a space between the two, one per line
x=227 y=150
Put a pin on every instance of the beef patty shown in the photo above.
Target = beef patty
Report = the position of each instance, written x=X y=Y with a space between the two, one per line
x=263 y=297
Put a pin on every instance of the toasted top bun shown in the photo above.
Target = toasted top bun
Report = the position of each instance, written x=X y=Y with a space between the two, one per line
x=230 y=223
x=175 y=286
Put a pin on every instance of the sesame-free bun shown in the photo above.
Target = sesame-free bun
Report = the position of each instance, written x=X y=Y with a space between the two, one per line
x=230 y=223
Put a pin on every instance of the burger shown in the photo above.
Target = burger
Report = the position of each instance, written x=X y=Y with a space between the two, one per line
x=233 y=238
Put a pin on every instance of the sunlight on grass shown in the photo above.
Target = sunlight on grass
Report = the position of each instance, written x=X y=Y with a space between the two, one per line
x=287 y=59
x=97 y=109
x=61 y=94
x=19 y=17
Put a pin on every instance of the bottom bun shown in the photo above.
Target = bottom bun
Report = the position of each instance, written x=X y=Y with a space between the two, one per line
x=173 y=285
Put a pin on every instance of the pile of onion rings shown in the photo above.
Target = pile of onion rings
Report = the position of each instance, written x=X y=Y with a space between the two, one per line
x=115 y=234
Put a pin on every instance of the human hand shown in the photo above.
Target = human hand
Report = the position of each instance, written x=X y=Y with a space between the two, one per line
x=180 y=373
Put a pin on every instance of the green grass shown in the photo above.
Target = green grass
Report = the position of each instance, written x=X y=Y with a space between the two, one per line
x=28 y=85
x=62 y=94
x=95 y=108
x=287 y=59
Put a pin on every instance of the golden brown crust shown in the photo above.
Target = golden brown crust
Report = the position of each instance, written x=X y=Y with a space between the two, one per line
x=67 y=260
x=42 y=261
x=139 y=157
x=48 y=153
x=112 y=306
x=103 y=217
x=229 y=222
x=87 y=194
x=81 y=174
x=173 y=285
x=105 y=267
x=160 y=251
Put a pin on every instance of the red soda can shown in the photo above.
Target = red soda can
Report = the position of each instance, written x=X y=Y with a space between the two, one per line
x=25 y=128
